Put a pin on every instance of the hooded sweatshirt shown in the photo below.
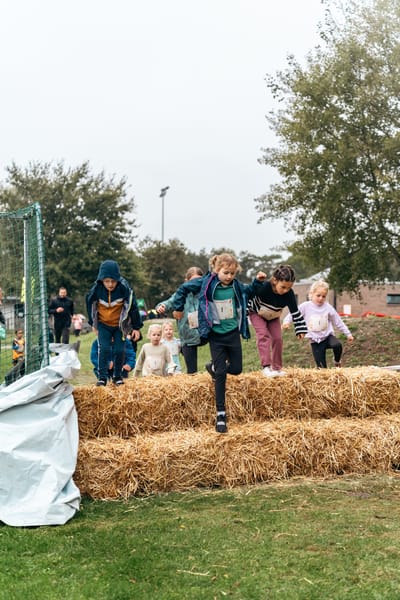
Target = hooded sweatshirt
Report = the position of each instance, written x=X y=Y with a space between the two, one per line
x=116 y=308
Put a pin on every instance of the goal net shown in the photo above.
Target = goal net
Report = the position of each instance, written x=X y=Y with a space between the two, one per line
x=23 y=293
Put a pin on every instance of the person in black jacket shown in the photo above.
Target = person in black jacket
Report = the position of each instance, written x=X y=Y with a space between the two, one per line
x=61 y=308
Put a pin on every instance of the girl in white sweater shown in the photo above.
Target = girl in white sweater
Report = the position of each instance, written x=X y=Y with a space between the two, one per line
x=321 y=319
x=154 y=358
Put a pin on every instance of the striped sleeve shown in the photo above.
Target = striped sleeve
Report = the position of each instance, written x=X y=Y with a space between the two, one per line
x=299 y=323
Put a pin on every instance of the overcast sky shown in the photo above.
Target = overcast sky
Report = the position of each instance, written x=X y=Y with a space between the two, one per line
x=161 y=92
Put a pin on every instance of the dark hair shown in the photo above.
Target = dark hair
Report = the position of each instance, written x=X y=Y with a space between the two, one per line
x=284 y=273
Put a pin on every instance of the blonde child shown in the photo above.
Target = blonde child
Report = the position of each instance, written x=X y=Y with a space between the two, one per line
x=265 y=310
x=173 y=343
x=321 y=319
x=222 y=320
x=154 y=357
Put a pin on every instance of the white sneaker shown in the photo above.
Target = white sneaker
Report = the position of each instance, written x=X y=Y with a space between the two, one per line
x=278 y=373
x=268 y=372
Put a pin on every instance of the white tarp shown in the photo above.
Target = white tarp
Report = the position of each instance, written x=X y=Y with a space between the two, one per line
x=39 y=446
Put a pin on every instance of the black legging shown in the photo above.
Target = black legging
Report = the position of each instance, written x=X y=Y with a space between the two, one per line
x=190 y=356
x=319 y=350
x=226 y=354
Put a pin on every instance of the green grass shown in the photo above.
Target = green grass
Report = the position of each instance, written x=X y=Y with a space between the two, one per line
x=303 y=540
x=297 y=540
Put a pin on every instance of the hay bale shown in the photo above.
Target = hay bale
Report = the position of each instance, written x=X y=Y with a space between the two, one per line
x=249 y=453
x=323 y=393
x=157 y=404
x=152 y=404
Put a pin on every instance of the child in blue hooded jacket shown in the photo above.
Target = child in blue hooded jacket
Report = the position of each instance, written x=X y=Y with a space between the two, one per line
x=222 y=321
x=114 y=314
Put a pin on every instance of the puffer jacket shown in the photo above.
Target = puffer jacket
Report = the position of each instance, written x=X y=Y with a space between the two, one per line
x=208 y=316
x=130 y=316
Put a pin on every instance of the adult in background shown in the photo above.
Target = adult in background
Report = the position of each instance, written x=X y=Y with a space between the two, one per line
x=61 y=308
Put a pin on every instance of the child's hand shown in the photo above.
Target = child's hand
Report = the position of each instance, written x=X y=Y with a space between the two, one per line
x=285 y=325
x=135 y=335
x=177 y=314
x=261 y=276
x=300 y=336
x=350 y=338
x=127 y=368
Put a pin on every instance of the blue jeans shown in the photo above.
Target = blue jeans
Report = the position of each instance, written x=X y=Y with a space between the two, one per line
x=110 y=337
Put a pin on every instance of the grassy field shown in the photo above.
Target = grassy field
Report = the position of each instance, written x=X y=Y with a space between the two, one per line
x=308 y=540
x=298 y=540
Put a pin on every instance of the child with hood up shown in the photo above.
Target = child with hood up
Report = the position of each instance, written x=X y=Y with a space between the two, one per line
x=113 y=314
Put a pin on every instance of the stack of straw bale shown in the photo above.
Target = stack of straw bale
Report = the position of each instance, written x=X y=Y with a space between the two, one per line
x=157 y=434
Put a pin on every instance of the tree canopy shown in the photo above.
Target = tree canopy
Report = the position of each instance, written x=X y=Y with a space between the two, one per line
x=338 y=133
x=164 y=266
x=87 y=218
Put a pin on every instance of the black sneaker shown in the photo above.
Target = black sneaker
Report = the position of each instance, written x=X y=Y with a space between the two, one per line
x=220 y=424
x=101 y=382
x=118 y=381
x=210 y=369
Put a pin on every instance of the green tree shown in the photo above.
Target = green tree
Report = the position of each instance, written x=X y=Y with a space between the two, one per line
x=302 y=264
x=251 y=264
x=199 y=259
x=87 y=218
x=164 y=265
x=338 y=132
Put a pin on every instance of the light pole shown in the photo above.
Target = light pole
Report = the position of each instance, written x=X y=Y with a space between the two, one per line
x=163 y=193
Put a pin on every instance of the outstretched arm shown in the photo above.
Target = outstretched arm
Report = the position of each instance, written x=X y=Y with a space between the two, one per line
x=193 y=286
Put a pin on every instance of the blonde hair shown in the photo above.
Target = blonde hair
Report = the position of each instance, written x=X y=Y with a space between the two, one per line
x=218 y=260
x=166 y=322
x=193 y=272
x=316 y=285
x=152 y=327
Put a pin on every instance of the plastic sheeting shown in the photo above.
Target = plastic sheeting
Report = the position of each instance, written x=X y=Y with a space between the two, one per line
x=39 y=446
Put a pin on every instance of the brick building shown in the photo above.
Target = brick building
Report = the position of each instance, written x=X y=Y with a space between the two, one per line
x=383 y=299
